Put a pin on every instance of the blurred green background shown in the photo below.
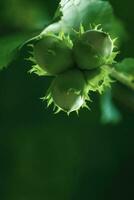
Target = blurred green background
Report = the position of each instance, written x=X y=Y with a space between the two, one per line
x=56 y=157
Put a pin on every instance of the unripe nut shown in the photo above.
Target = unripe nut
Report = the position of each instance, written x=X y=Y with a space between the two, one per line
x=67 y=90
x=53 y=55
x=92 y=49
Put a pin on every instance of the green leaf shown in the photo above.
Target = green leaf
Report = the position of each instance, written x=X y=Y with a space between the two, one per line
x=8 y=48
x=85 y=12
x=126 y=67
x=58 y=14
x=109 y=112
x=24 y=15
x=124 y=72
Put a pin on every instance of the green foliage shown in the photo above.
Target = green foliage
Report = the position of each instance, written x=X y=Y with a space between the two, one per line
x=124 y=72
x=75 y=12
x=23 y=20
x=8 y=47
x=24 y=15
x=109 y=112
x=126 y=68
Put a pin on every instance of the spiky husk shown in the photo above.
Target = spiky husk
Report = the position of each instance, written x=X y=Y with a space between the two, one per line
x=99 y=79
x=71 y=88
